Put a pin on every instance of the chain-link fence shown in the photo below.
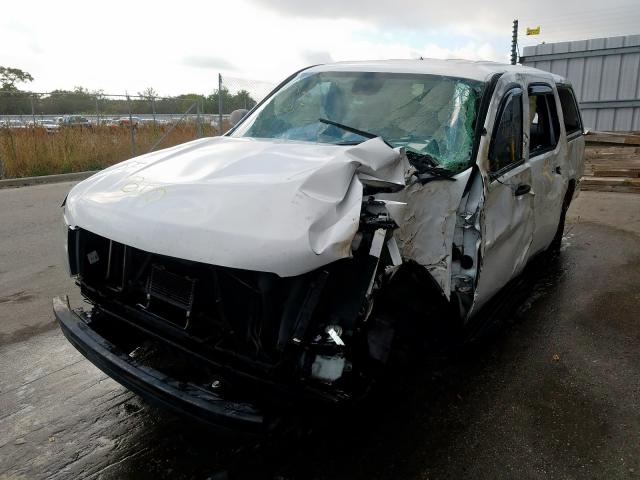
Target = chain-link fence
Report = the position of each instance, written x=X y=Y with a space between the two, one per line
x=62 y=131
x=238 y=94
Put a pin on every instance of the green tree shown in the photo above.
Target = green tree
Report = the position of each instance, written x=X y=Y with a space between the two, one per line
x=10 y=76
x=149 y=93
x=242 y=99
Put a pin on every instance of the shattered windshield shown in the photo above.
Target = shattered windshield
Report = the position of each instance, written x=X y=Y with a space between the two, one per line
x=426 y=114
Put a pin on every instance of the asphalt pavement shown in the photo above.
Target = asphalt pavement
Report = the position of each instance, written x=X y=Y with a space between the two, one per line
x=31 y=258
x=553 y=391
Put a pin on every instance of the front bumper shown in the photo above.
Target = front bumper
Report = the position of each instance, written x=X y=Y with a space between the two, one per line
x=181 y=397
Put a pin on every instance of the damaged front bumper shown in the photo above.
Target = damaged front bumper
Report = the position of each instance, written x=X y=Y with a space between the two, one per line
x=272 y=333
x=157 y=388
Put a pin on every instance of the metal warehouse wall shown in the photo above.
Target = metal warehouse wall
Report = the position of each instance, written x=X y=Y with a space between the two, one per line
x=604 y=73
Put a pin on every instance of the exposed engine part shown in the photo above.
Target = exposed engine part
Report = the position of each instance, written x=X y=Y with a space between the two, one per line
x=327 y=369
x=394 y=252
x=332 y=330
x=377 y=242
x=175 y=290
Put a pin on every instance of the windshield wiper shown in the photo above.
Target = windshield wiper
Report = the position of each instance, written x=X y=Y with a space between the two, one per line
x=421 y=161
x=357 y=131
x=429 y=174
x=427 y=166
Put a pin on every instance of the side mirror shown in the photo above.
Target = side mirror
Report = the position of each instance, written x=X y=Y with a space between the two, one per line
x=237 y=115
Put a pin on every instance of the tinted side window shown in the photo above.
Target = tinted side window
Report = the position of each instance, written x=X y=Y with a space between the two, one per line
x=506 y=145
x=572 y=123
x=544 y=126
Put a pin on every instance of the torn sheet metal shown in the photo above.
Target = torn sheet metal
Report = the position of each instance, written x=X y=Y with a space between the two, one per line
x=428 y=221
x=467 y=240
x=265 y=205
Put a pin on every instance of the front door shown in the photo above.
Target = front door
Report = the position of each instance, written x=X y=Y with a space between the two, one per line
x=508 y=215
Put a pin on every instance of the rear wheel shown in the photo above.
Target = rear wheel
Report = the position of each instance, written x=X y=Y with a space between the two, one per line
x=554 y=247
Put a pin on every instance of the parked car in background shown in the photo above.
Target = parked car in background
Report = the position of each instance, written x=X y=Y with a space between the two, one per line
x=356 y=212
x=152 y=122
x=49 y=125
x=111 y=123
x=126 y=121
x=11 y=123
x=77 y=121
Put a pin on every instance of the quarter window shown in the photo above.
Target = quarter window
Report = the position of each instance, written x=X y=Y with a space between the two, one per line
x=544 y=126
x=506 y=145
x=570 y=113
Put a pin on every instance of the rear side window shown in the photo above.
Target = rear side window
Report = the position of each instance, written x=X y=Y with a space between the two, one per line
x=544 y=126
x=506 y=145
x=572 y=123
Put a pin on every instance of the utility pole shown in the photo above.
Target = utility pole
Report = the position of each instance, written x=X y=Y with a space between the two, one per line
x=514 y=43
x=131 y=129
x=198 y=119
x=220 y=103
x=33 y=113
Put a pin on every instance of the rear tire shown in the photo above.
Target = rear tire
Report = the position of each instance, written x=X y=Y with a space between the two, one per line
x=554 y=247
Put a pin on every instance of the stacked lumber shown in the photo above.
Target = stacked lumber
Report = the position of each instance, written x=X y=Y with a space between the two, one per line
x=612 y=162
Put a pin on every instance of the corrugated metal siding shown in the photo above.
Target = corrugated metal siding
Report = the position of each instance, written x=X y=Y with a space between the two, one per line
x=605 y=74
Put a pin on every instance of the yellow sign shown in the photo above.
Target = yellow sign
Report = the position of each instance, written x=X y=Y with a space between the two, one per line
x=533 y=31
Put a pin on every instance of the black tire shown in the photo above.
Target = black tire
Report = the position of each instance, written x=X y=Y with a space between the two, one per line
x=554 y=247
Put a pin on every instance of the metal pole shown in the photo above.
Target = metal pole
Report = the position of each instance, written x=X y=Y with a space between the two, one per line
x=198 y=121
x=153 y=109
x=514 y=43
x=33 y=112
x=97 y=113
x=220 y=103
x=133 y=135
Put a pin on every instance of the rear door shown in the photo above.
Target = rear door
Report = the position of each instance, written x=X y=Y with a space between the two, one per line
x=508 y=218
x=546 y=152
x=573 y=166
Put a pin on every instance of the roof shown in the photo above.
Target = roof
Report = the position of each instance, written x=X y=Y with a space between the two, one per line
x=472 y=70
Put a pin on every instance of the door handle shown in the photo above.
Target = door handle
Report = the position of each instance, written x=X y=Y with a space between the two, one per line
x=521 y=190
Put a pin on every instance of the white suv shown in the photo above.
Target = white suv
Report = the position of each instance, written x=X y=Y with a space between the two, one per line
x=295 y=257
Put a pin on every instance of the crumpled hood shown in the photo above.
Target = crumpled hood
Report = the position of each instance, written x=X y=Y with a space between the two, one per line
x=265 y=205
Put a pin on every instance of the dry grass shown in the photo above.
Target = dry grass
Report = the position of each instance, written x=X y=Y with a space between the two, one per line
x=32 y=152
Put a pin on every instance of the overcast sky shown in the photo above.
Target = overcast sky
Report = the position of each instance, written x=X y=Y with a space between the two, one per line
x=180 y=47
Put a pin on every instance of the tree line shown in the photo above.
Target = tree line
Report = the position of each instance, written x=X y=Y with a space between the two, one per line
x=14 y=101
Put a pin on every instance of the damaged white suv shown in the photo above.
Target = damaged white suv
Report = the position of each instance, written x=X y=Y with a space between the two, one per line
x=291 y=259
